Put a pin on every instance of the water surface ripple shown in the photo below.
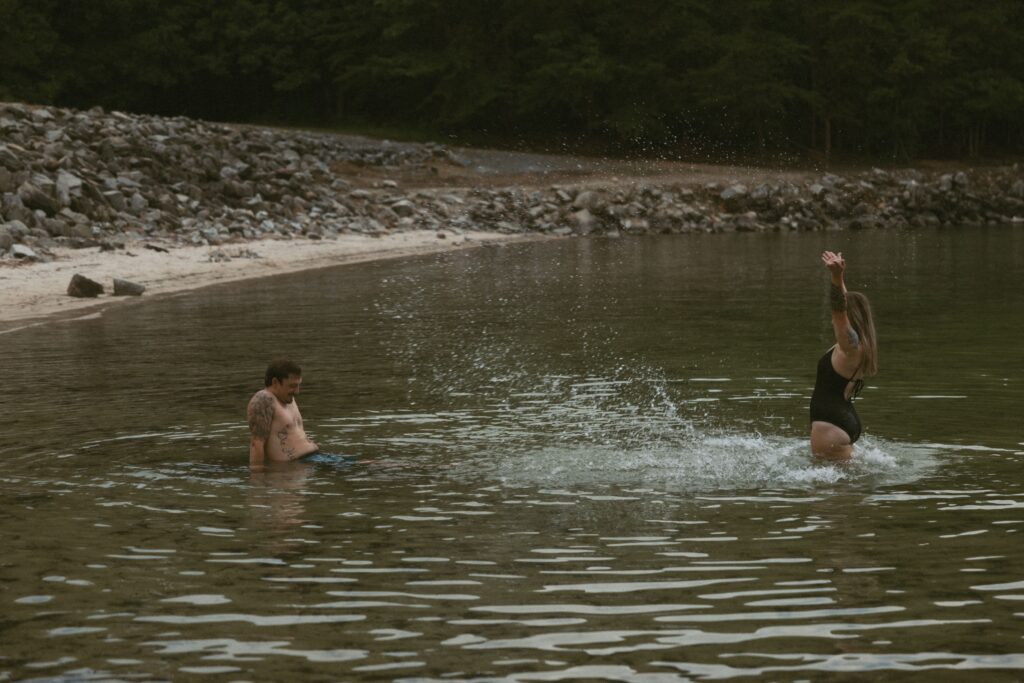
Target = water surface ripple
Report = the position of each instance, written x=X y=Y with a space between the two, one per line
x=573 y=461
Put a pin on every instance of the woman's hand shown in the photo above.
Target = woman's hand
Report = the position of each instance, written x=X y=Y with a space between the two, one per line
x=835 y=263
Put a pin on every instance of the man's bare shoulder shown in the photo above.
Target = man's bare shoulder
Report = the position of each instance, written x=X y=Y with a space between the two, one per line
x=261 y=413
x=261 y=397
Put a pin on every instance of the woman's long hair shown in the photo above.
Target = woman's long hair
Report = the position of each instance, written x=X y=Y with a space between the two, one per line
x=858 y=310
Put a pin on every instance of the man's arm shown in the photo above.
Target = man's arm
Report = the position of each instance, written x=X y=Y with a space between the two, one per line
x=261 y=416
x=256 y=455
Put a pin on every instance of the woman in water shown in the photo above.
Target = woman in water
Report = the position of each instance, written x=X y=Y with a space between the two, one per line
x=835 y=425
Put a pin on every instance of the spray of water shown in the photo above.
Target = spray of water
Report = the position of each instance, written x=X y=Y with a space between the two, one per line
x=627 y=427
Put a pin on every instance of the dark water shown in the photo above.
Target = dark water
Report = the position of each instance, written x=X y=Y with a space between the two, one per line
x=582 y=460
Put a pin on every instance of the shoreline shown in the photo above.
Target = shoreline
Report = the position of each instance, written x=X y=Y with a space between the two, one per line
x=33 y=294
x=175 y=204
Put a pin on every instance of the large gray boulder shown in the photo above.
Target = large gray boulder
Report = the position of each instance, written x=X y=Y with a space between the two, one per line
x=20 y=251
x=127 y=288
x=68 y=225
x=735 y=196
x=589 y=200
x=82 y=287
x=17 y=229
x=68 y=185
x=8 y=181
x=583 y=222
x=10 y=158
x=14 y=209
x=404 y=208
x=138 y=203
x=737 y=191
x=115 y=199
x=35 y=197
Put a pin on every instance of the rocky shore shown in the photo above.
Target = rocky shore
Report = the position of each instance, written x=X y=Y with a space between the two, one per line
x=88 y=179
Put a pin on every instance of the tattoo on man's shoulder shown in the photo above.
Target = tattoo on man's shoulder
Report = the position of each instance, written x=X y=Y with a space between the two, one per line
x=261 y=415
x=852 y=337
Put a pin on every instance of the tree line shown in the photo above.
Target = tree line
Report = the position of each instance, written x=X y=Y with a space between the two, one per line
x=899 y=79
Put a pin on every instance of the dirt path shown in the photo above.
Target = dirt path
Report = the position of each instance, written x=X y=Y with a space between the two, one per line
x=497 y=168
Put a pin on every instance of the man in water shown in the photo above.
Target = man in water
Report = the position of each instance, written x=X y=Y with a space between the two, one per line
x=274 y=419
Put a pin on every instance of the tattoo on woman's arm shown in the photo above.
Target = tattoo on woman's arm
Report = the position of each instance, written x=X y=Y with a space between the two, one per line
x=261 y=416
x=852 y=337
x=837 y=298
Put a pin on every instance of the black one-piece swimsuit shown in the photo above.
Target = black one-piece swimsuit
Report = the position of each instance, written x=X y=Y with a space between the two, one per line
x=829 y=402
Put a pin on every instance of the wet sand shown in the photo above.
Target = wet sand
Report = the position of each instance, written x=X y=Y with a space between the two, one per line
x=34 y=293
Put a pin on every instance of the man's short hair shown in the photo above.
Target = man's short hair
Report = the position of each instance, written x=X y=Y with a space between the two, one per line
x=279 y=369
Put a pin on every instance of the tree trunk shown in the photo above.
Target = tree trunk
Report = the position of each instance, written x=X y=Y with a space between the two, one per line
x=973 y=141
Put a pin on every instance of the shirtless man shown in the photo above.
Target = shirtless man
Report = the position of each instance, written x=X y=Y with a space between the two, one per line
x=274 y=419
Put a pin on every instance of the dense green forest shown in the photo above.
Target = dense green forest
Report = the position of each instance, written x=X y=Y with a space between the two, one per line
x=886 y=79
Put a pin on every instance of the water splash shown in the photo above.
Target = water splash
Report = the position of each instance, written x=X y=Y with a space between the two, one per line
x=625 y=429
x=705 y=462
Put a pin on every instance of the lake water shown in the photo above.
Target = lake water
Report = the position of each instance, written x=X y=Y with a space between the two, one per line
x=578 y=460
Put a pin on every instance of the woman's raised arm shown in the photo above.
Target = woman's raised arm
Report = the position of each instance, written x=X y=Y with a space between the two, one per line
x=846 y=336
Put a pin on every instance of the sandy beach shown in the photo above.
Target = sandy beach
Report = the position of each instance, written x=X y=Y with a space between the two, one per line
x=36 y=293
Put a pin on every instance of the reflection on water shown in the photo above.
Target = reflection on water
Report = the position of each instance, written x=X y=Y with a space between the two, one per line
x=573 y=461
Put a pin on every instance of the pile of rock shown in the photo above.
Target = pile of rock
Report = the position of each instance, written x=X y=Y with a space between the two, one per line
x=82 y=178
x=877 y=199
x=95 y=178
